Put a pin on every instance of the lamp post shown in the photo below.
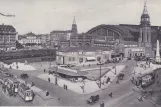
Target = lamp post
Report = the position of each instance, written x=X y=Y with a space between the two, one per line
x=115 y=68
x=100 y=63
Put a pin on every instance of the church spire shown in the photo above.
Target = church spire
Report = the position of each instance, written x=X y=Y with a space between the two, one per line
x=74 y=26
x=145 y=11
x=74 y=22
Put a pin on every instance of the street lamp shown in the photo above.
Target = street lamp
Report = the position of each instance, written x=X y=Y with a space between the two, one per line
x=115 y=66
x=100 y=63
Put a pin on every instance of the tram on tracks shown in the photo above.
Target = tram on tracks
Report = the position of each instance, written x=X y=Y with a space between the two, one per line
x=13 y=84
x=25 y=92
x=147 y=79
x=14 y=87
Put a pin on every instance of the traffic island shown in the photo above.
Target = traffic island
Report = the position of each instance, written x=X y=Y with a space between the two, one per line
x=86 y=86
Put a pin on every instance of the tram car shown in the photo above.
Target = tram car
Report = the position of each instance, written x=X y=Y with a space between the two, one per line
x=147 y=80
x=13 y=84
x=3 y=80
x=25 y=92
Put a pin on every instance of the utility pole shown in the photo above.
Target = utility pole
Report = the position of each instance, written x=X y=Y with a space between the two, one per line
x=115 y=67
x=100 y=72
x=50 y=53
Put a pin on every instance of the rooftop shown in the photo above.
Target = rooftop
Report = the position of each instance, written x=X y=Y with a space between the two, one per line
x=24 y=87
x=7 y=28
x=70 y=73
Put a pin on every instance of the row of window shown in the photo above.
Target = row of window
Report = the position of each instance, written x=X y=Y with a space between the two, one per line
x=71 y=58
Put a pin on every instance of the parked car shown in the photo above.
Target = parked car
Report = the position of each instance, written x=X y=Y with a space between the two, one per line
x=107 y=62
x=120 y=76
x=93 y=99
x=24 y=76
x=70 y=65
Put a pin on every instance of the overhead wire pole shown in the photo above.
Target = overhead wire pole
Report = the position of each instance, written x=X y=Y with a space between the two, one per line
x=50 y=53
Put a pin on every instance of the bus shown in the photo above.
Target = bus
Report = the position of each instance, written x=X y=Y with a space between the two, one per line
x=25 y=92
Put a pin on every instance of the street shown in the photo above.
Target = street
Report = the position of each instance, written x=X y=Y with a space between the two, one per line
x=123 y=96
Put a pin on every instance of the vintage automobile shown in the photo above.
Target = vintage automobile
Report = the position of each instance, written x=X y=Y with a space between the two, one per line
x=120 y=76
x=24 y=76
x=93 y=99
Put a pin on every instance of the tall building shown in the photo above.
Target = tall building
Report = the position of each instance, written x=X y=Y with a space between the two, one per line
x=7 y=37
x=145 y=32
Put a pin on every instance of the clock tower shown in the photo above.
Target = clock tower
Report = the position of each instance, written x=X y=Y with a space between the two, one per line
x=145 y=32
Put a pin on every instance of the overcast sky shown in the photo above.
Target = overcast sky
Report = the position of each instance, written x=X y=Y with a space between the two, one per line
x=43 y=16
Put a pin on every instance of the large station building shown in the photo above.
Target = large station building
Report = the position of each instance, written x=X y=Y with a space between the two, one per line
x=125 y=39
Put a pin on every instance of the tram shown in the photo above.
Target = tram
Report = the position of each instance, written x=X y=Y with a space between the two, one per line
x=147 y=80
x=13 y=84
x=25 y=92
x=3 y=80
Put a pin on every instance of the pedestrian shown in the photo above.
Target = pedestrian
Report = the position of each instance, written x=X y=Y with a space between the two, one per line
x=64 y=86
x=117 y=81
x=158 y=83
x=102 y=104
x=47 y=93
x=56 y=81
x=48 y=79
x=110 y=95
x=32 y=84
x=44 y=71
x=132 y=78
x=26 y=82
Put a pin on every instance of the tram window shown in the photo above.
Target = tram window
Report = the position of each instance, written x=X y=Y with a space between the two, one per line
x=27 y=94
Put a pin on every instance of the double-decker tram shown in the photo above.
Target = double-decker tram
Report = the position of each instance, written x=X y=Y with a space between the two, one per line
x=25 y=92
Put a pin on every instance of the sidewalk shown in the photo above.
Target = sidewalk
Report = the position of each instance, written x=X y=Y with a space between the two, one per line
x=89 y=87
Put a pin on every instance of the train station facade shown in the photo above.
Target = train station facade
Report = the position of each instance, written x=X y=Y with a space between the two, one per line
x=128 y=39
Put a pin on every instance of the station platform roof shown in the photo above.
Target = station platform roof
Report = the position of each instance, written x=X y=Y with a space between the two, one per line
x=70 y=73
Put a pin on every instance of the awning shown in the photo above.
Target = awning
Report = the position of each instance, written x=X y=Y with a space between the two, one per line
x=91 y=58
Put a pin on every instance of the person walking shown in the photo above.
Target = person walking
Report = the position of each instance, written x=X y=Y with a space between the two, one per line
x=48 y=79
x=110 y=95
x=102 y=104
x=64 y=86
x=56 y=81
x=44 y=71
x=47 y=93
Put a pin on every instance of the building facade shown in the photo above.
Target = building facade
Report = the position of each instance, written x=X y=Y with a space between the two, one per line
x=131 y=36
x=81 y=40
x=83 y=56
x=7 y=37
x=62 y=38
x=33 y=40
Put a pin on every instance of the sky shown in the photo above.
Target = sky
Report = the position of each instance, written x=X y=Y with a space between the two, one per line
x=44 y=16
